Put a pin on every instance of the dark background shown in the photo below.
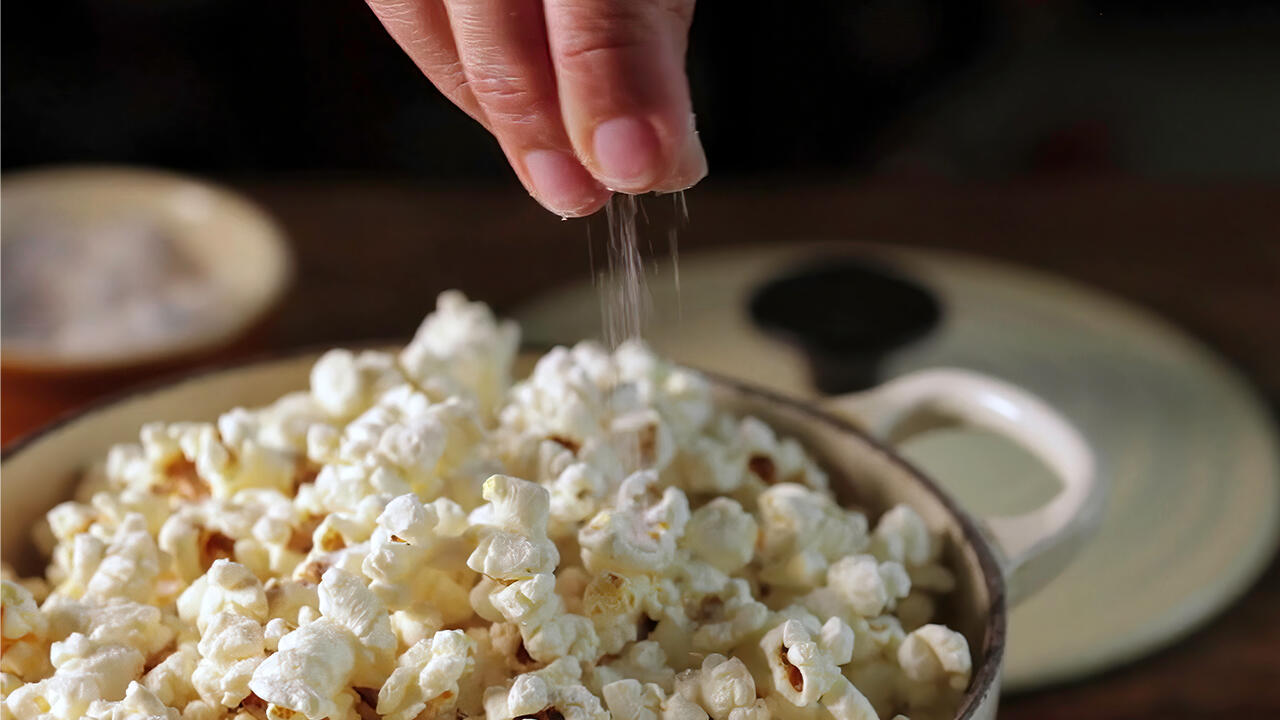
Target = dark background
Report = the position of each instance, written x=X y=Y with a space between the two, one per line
x=954 y=88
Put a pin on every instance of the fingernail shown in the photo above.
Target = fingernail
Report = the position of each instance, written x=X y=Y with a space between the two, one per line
x=690 y=168
x=561 y=183
x=627 y=152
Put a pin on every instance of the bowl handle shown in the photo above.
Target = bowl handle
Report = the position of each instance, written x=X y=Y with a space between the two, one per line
x=1035 y=546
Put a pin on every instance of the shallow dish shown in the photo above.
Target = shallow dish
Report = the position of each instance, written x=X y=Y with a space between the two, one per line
x=996 y=561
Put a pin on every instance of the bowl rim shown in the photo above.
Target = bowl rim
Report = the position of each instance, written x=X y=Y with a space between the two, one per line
x=984 y=679
x=37 y=362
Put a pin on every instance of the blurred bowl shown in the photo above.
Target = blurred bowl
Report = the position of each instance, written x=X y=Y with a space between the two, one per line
x=237 y=252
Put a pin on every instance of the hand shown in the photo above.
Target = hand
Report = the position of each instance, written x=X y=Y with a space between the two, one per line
x=584 y=96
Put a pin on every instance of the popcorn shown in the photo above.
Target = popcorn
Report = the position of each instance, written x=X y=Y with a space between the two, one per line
x=936 y=654
x=802 y=532
x=231 y=649
x=514 y=544
x=866 y=586
x=804 y=669
x=415 y=536
x=727 y=618
x=121 y=622
x=640 y=535
x=231 y=588
x=415 y=559
x=629 y=700
x=724 y=688
x=170 y=680
x=21 y=616
x=722 y=535
x=129 y=565
x=554 y=690
x=427 y=675
x=345 y=384
x=462 y=345
x=902 y=536
x=138 y=703
x=644 y=661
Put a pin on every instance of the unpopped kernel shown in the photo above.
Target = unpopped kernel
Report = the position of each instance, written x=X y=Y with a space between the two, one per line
x=416 y=536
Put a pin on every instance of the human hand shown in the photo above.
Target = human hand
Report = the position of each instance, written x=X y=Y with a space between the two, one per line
x=584 y=96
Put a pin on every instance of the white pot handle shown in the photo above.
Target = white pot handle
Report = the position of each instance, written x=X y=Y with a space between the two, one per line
x=1035 y=546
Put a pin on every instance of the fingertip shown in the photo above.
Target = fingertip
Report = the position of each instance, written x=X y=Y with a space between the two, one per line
x=691 y=166
x=561 y=184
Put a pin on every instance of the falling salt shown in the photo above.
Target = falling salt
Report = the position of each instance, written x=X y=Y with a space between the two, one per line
x=622 y=287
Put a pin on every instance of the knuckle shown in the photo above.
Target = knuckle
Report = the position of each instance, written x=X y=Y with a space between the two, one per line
x=506 y=97
x=605 y=31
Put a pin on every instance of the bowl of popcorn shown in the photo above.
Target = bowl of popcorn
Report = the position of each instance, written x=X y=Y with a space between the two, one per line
x=413 y=533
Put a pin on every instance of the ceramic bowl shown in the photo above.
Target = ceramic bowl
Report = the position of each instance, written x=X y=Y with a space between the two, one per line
x=241 y=251
x=997 y=561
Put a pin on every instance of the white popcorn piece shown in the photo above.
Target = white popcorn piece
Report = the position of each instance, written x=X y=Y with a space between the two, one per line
x=724 y=688
x=21 y=616
x=231 y=649
x=85 y=672
x=722 y=535
x=123 y=622
x=643 y=661
x=345 y=384
x=614 y=602
x=415 y=561
x=546 y=693
x=561 y=400
x=138 y=703
x=727 y=618
x=427 y=676
x=630 y=700
x=641 y=533
x=462 y=342
x=771 y=460
x=419 y=441
x=802 y=532
x=310 y=671
x=576 y=492
x=642 y=441
x=170 y=679
x=901 y=536
x=231 y=588
x=230 y=458
x=803 y=668
x=936 y=654
x=876 y=637
x=514 y=545
x=345 y=599
x=26 y=635
x=867 y=586
x=681 y=396
x=287 y=598
x=129 y=564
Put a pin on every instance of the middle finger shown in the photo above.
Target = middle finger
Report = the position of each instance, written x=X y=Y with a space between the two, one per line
x=503 y=48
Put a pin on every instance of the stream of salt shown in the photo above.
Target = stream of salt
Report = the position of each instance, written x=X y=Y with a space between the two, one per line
x=623 y=292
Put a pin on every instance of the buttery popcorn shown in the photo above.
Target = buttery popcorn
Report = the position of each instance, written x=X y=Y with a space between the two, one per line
x=416 y=537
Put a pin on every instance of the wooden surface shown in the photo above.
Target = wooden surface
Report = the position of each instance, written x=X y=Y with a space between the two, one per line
x=372 y=257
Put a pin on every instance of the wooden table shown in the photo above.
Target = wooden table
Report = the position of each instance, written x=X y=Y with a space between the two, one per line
x=372 y=256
